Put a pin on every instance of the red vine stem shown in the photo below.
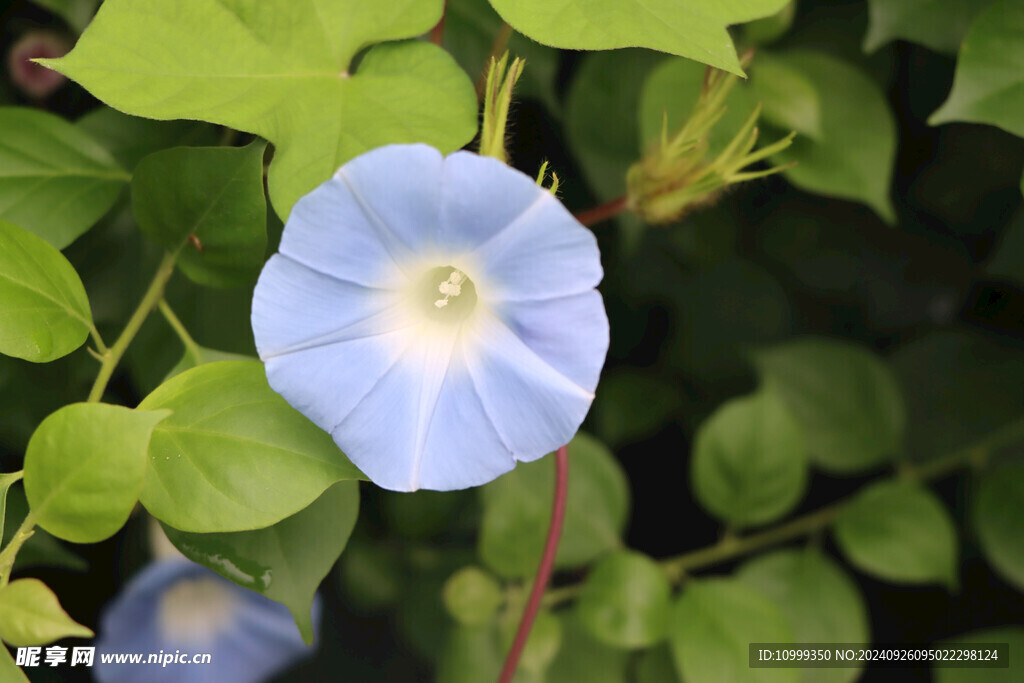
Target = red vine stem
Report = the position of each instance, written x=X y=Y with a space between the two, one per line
x=437 y=33
x=547 y=562
x=602 y=212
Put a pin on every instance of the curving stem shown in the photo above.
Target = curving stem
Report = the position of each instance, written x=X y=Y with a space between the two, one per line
x=547 y=562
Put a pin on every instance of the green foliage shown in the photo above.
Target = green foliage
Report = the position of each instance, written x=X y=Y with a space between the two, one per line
x=1013 y=635
x=421 y=514
x=713 y=623
x=84 y=469
x=471 y=28
x=581 y=658
x=999 y=518
x=845 y=399
x=984 y=89
x=234 y=455
x=287 y=561
x=6 y=481
x=471 y=654
x=626 y=601
x=199 y=355
x=284 y=72
x=938 y=24
x=899 y=532
x=789 y=100
x=769 y=29
x=41 y=549
x=30 y=614
x=57 y=181
x=976 y=393
x=213 y=195
x=731 y=305
x=854 y=158
x=669 y=94
x=749 y=460
x=129 y=139
x=44 y=311
x=819 y=600
x=632 y=405
x=656 y=666
x=77 y=13
x=1007 y=260
x=517 y=511
x=472 y=596
x=9 y=670
x=696 y=29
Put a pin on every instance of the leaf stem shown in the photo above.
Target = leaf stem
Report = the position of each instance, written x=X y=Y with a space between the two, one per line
x=97 y=339
x=547 y=563
x=149 y=301
x=9 y=553
x=602 y=212
x=191 y=347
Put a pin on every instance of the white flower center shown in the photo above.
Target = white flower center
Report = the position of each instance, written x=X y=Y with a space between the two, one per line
x=197 y=610
x=444 y=295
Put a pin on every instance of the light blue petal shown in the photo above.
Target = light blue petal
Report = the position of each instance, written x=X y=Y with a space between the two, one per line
x=399 y=187
x=325 y=383
x=570 y=334
x=534 y=408
x=544 y=254
x=295 y=308
x=329 y=232
x=422 y=425
x=259 y=640
x=481 y=196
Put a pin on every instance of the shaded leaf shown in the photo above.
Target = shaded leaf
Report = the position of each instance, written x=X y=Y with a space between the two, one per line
x=788 y=99
x=210 y=194
x=130 y=138
x=581 y=658
x=287 y=561
x=854 y=159
x=938 y=24
x=57 y=181
x=713 y=623
x=749 y=460
x=845 y=399
x=626 y=601
x=517 y=511
x=999 y=518
x=989 y=83
x=821 y=603
x=472 y=596
x=899 y=532
x=1013 y=635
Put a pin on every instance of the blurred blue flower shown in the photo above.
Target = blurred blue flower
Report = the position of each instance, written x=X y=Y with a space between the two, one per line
x=178 y=608
x=437 y=315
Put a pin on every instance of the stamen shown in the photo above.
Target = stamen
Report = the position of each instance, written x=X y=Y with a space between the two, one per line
x=450 y=287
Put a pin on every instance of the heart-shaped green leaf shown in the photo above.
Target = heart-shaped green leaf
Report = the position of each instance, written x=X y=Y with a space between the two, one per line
x=44 y=312
x=626 y=601
x=84 y=468
x=234 y=456
x=281 y=70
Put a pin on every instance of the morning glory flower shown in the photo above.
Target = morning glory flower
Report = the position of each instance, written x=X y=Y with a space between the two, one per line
x=175 y=607
x=437 y=315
